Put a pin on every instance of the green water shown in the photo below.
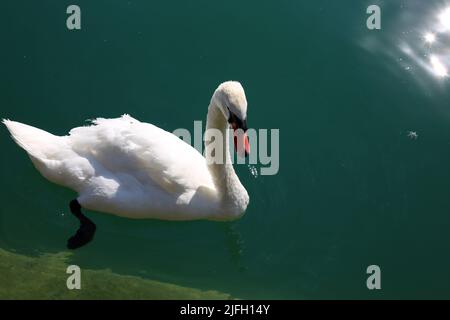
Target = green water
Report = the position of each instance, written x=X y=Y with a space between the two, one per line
x=352 y=190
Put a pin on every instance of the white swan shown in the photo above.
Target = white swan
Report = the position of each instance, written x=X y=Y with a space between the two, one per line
x=133 y=169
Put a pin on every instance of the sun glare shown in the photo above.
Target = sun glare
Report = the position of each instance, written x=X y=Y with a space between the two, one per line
x=438 y=67
x=430 y=37
x=444 y=18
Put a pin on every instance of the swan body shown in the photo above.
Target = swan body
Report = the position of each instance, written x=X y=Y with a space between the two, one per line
x=134 y=169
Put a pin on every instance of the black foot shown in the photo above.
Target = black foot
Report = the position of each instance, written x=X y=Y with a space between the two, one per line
x=86 y=231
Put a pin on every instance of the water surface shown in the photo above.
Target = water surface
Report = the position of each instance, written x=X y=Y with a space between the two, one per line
x=352 y=190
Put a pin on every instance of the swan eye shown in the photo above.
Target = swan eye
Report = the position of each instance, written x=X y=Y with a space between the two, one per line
x=236 y=122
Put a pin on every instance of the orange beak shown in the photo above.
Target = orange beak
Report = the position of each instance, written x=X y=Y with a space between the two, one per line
x=241 y=142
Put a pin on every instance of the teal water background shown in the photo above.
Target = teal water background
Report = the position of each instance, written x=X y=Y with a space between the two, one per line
x=352 y=190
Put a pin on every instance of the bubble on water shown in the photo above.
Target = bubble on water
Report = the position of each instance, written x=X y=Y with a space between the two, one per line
x=253 y=171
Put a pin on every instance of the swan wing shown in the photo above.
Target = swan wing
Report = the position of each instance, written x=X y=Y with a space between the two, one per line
x=150 y=155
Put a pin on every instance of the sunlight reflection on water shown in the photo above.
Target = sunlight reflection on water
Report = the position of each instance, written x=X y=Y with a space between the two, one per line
x=432 y=55
x=418 y=40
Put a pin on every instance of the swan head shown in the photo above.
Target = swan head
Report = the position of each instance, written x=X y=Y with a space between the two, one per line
x=230 y=98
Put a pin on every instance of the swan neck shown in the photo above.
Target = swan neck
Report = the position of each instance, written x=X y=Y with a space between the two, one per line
x=227 y=183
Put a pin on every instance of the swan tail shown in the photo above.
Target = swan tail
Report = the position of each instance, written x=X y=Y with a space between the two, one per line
x=45 y=150
x=37 y=143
